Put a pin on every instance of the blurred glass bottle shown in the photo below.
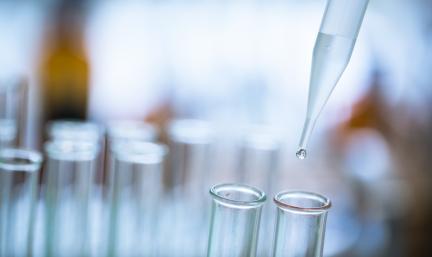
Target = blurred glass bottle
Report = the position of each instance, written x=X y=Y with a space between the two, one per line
x=64 y=66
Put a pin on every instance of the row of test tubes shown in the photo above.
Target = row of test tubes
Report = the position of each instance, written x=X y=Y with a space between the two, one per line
x=123 y=194
x=118 y=191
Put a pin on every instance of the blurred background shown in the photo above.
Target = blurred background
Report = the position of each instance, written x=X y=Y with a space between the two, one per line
x=243 y=67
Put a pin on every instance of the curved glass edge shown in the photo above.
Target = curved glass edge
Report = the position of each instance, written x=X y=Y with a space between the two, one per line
x=16 y=159
x=139 y=152
x=323 y=203
x=258 y=196
x=68 y=150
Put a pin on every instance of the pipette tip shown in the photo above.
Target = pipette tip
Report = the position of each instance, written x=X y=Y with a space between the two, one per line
x=301 y=154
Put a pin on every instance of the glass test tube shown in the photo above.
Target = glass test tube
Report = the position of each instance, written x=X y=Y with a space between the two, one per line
x=68 y=183
x=333 y=48
x=126 y=131
x=188 y=179
x=135 y=195
x=259 y=166
x=13 y=104
x=235 y=219
x=19 y=171
x=301 y=223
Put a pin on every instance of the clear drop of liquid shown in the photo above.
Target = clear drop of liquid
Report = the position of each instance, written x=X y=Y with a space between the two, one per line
x=301 y=154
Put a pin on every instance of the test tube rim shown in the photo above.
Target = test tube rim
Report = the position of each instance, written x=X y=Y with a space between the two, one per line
x=260 y=195
x=324 y=201
x=33 y=157
x=93 y=131
x=54 y=150
x=151 y=157
x=179 y=131
x=148 y=131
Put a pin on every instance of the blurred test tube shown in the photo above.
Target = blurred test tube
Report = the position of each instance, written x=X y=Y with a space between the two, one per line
x=135 y=195
x=126 y=131
x=189 y=179
x=13 y=104
x=68 y=183
x=19 y=171
x=259 y=159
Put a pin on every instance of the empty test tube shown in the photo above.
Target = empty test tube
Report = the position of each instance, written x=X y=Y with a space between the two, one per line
x=68 y=186
x=19 y=170
x=188 y=180
x=136 y=189
x=13 y=103
x=259 y=163
x=300 y=224
x=235 y=219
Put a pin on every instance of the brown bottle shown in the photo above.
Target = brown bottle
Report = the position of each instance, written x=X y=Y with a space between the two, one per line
x=64 y=67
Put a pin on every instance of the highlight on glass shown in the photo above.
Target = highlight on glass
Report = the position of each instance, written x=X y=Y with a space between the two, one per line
x=300 y=224
x=235 y=220
x=13 y=111
x=19 y=170
x=68 y=188
x=135 y=194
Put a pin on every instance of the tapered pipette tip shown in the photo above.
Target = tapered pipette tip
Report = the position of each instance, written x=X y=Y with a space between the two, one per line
x=301 y=154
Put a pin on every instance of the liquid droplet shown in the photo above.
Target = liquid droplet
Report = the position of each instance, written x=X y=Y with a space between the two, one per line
x=301 y=154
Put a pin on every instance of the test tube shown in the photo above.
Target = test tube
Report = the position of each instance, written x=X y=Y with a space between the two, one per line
x=235 y=219
x=135 y=195
x=19 y=171
x=188 y=180
x=259 y=163
x=300 y=224
x=333 y=48
x=68 y=182
x=13 y=103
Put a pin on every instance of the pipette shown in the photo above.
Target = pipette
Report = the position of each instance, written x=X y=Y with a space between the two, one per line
x=333 y=47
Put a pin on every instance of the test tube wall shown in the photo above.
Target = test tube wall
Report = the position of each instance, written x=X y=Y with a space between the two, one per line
x=68 y=183
x=135 y=191
x=13 y=110
x=235 y=220
x=188 y=178
x=300 y=224
x=259 y=156
x=19 y=170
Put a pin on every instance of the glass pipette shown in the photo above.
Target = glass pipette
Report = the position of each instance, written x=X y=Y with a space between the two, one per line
x=333 y=47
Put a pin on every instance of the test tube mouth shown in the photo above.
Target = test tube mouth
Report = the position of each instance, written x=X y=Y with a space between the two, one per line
x=74 y=129
x=302 y=202
x=190 y=131
x=139 y=152
x=68 y=150
x=14 y=159
x=131 y=130
x=238 y=195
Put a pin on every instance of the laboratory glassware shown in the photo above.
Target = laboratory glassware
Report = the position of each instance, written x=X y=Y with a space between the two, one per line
x=300 y=224
x=136 y=189
x=74 y=130
x=235 y=220
x=13 y=103
x=259 y=160
x=333 y=48
x=188 y=179
x=19 y=171
x=131 y=130
x=68 y=187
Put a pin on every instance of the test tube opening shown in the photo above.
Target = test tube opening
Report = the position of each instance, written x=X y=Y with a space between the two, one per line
x=68 y=150
x=12 y=159
x=139 y=152
x=238 y=195
x=302 y=202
